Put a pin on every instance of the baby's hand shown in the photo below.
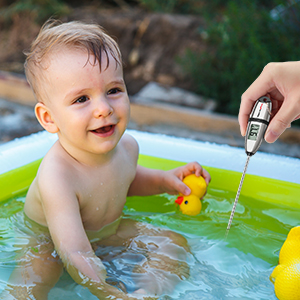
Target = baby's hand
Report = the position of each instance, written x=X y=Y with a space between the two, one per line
x=173 y=178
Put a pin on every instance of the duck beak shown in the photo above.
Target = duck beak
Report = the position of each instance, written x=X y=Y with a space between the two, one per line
x=179 y=200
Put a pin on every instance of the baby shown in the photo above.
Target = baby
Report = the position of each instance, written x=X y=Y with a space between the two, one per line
x=80 y=190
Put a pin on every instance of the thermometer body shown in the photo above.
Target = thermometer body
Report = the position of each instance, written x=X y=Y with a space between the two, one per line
x=257 y=125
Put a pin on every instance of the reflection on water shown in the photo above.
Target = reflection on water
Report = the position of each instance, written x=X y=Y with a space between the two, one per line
x=227 y=273
x=236 y=268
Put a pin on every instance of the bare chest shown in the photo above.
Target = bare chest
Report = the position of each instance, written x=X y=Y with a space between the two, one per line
x=103 y=195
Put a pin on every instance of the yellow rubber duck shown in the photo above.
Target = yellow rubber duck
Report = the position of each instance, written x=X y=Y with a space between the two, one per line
x=191 y=204
x=286 y=276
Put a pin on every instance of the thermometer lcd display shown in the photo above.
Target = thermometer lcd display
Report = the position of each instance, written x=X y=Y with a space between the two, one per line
x=253 y=132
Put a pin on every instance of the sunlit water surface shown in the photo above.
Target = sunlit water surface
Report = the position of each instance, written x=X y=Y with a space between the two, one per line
x=237 y=267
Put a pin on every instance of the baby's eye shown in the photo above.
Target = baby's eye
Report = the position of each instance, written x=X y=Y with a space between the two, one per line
x=114 y=91
x=81 y=99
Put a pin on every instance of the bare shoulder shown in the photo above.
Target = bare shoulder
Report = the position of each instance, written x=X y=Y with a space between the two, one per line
x=54 y=181
x=56 y=169
x=130 y=145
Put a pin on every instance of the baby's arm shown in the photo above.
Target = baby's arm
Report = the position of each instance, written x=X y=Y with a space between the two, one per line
x=62 y=211
x=151 y=182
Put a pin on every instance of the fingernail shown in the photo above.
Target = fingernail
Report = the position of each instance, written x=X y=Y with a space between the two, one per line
x=187 y=191
x=243 y=132
x=271 y=136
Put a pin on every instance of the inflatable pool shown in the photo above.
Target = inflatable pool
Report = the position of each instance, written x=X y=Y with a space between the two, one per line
x=234 y=268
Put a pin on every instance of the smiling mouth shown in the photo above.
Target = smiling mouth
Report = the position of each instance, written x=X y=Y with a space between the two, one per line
x=105 y=130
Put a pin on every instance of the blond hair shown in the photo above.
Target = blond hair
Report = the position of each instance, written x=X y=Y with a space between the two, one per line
x=54 y=35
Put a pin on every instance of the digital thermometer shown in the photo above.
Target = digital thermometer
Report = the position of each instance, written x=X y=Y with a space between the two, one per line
x=257 y=124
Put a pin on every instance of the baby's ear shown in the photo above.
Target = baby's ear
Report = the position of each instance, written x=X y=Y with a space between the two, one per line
x=43 y=115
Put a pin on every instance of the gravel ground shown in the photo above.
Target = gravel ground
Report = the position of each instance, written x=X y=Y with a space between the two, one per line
x=18 y=120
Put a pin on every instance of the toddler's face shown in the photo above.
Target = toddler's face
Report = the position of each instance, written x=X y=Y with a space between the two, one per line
x=90 y=108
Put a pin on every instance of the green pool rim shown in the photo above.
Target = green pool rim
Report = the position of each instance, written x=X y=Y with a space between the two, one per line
x=17 y=181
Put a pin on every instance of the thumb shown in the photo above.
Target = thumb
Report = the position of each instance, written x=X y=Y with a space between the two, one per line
x=282 y=120
x=183 y=188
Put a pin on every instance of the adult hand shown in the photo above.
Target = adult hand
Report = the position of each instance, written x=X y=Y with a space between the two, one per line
x=281 y=82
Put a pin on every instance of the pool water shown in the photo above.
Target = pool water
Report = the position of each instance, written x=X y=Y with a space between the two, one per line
x=234 y=268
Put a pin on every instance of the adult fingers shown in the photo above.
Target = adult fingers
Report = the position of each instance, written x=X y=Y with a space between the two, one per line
x=263 y=85
x=288 y=112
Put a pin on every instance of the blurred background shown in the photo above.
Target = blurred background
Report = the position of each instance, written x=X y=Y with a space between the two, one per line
x=212 y=48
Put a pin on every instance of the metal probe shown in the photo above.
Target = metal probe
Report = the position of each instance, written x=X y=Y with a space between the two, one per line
x=257 y=125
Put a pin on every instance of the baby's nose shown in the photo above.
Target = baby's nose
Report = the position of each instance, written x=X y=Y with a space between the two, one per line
x=102 y=109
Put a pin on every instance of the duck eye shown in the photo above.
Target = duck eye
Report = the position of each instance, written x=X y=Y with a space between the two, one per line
x=186 y=202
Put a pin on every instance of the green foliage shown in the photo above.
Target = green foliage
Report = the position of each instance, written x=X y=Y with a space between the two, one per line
x=41 y=10
x=239 y=44
x=192 y=6
x=173 y=6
